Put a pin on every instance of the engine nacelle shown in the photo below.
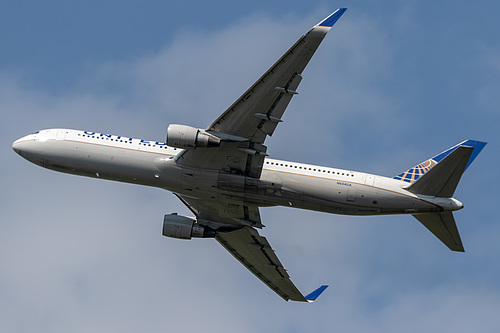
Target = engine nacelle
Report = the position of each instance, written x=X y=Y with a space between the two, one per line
x=186 y=137
x=178 y=226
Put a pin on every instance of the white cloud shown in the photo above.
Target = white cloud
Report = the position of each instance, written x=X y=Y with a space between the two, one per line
x=85 y=255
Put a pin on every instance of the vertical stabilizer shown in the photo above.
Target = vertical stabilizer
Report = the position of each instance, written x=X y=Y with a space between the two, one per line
x=419 y=170
x=439 y=176
x=442 y=179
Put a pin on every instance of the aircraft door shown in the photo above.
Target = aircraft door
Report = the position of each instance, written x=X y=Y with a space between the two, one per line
x=369 y=180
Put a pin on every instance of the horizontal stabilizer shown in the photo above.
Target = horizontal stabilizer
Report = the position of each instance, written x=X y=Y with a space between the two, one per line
x=443 y=226
x=315 y=294
x=443 y=178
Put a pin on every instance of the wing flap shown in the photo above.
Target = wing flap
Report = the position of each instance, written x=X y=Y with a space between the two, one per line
x=255 y=253
x=273 y=116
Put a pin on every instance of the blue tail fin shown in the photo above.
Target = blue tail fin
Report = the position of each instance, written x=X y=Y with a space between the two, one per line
x=419 y=170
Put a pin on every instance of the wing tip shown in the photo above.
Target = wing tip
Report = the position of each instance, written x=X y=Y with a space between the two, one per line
x=332 y=18
x=315 y=294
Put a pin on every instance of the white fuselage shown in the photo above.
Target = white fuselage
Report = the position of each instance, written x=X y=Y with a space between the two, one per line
x=281 y=183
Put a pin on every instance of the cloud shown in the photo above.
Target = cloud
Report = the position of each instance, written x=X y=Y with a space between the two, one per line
x=85 y=255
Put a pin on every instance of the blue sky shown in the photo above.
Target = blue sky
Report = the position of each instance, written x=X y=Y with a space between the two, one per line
x=389 y=87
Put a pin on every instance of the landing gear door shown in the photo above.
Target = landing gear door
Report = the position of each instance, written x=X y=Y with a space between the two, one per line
x=351 y=194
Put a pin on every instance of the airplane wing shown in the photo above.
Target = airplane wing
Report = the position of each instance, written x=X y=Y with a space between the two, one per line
x=255 y=115
x=246 y=124
x=255 y=253
x=246 y=245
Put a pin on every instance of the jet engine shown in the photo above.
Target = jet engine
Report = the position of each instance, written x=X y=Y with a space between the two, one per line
x=178 y=226
x=186 y=137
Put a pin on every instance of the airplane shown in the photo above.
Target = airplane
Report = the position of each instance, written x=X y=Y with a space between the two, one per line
x=224 y=175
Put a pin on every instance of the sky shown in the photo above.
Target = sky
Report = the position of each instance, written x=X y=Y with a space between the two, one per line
x=389 y=87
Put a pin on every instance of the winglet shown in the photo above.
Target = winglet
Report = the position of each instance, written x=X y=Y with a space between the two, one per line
x=315 y=294
x=332 y=18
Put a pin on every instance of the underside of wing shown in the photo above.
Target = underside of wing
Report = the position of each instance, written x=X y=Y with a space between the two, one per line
x=255 y=115
x=255 y=253
x=233 y=226
x=258 y=111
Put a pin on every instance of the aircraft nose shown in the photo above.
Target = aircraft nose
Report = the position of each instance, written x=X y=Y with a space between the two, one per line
x=16 y=145
x=16 y=150
x=27 y=148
